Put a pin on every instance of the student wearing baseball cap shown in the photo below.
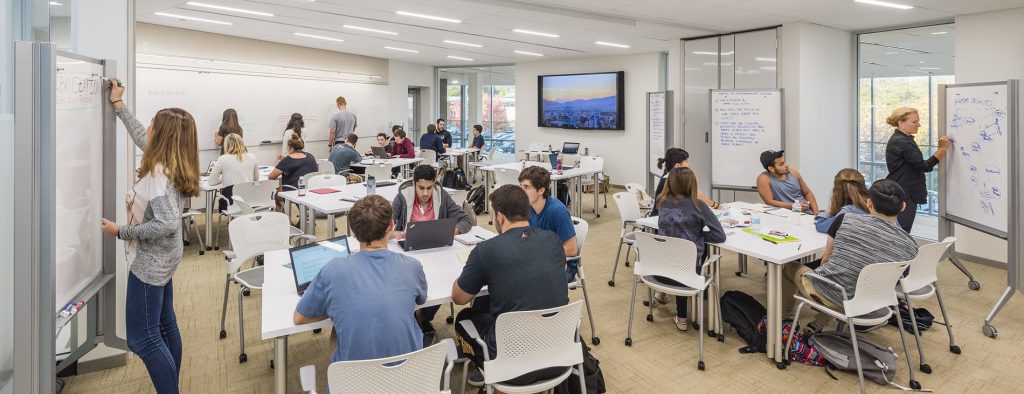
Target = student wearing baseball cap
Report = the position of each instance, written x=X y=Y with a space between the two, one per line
x=781 y=186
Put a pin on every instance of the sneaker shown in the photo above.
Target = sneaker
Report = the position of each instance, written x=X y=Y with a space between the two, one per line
x=681 y=323
x=475 y=377
x=661 y=297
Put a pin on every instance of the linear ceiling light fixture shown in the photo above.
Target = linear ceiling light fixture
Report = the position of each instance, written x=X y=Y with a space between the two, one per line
x=192 y=18
x=765 y=59
x=611 y=44
x=528 y=53
x=319 y=37
x=402 y=49
x=369 y=30
x=431 y=17
x=460 y=58
x=466 y=44
x=535 y=33
x=55 y=3
x=885 y=4
x=223 y=8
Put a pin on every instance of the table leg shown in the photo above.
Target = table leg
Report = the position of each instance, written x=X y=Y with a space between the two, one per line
x=773 y=328
x=281 y=365
x=330 y=225
x=210 y=194
x=487 y=191
x=597 y=189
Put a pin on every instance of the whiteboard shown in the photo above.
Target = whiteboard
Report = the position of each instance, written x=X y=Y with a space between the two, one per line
x=264 y=103
x=79 y=176
x=656 y=129
x=977 y=170
x=744 y=123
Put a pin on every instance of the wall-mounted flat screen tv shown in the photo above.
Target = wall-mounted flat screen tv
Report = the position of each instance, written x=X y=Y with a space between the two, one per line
x=581 y=101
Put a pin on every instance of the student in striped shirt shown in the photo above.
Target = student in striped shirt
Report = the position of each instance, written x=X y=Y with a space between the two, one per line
x=854 y=241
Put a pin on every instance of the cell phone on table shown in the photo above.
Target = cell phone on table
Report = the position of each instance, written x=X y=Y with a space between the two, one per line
x=209 y=169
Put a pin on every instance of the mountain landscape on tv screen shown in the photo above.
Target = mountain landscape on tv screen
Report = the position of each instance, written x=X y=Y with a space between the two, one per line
x=595 y=113
x=595 y=104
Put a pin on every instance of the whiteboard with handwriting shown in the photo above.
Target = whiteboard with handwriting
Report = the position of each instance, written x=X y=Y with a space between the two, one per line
x=977 y=165
x=79 y=176
x=744 y=123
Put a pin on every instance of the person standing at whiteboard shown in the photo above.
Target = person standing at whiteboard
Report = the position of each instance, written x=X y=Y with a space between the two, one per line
x=907 y=165
x=168 y=177
x=228 y=125
x=342 y=123
x=295 y=125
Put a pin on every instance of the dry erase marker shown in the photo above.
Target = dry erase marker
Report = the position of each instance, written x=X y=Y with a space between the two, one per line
x=480 y=237
x=67 y=310
x=799 y=246
x=768 y=240
x=77 y=307
x=107 y=80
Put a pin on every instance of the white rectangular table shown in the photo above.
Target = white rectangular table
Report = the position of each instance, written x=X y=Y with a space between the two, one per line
x=569 y=173
x=440 y=266
x=332 y=204
x=211 y=194
x=403 y=163
x=456 y=153
x=810 y=243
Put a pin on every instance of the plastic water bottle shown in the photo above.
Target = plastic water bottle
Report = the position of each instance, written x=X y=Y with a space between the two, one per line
x=302 y=187
x=755 y=221
x=371 y=185
x=586 y=151
x=796 y=206
x=559 y=161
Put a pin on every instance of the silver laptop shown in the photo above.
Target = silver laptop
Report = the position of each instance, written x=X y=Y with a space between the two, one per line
x=380 y=152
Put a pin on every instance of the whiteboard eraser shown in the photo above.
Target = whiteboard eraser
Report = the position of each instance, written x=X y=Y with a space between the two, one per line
x=265 y=142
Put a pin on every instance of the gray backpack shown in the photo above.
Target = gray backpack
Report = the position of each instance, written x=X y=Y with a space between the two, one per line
x=877 y=362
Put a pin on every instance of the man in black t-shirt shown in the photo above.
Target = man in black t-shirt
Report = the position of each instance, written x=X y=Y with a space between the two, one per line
x=523 y=268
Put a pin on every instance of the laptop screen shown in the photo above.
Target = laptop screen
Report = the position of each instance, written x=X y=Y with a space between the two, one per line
x=307 y=260
x=570 y=148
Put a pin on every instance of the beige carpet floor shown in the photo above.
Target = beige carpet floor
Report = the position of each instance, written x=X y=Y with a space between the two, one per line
x=661 y=359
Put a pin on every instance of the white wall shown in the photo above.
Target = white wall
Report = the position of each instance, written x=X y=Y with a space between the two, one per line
x=403 y=76
x=623 y=151
x=818 y=78
x=989 y=47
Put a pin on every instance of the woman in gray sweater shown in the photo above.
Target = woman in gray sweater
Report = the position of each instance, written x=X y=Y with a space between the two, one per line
x=169 y=175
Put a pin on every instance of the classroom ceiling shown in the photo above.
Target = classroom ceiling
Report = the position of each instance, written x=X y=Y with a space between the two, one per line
x=918 y=51
x=643 y=25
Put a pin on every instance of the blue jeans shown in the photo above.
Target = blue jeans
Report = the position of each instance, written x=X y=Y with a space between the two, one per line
x=153 y=331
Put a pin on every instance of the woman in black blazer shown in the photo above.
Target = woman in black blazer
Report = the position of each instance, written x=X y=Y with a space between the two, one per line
x=907 y=165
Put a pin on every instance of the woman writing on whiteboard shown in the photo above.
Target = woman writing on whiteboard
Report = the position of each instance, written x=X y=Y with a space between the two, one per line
x=907 y=165
x=295 y=125
x=228 y=125
x=168 y=177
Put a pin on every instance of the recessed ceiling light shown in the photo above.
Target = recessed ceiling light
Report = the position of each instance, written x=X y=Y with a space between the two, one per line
x=709 y=64
x=765 y=59
x=892 y=53
x=402 y=49
x=369 y=29
x=455 y=82
x=460 y=58
x=940 y=32
x=431 y=17
x=922 y=62
x=611 y=44
x=885 y=4
x=528 y=53
x=536 y=33
x=767 y=68
x=463 y=44
x=223 y=8
x=929 y=68
x=710 y=53
x=319 y=37
x=191 y=18
x=165 y=57
x=55 y=3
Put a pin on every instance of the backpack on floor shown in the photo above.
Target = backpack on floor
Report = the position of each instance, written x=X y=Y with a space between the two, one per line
x=877 y=362
x=563 y=193
x=454 y=179
x=923 y=316
x=743 y=313
x=475 y=199
x=592 y=377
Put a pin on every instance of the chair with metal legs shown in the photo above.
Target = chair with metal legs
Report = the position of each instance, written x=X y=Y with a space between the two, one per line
x=921 y=283
x=629 y=213
x=580 y=281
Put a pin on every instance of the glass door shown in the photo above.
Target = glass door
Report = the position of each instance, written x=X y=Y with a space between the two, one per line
x=412 y=124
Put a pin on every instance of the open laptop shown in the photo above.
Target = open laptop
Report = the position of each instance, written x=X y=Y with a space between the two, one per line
x=428 y=234
x=570 y=148
x=307 y=260
x=379 y=152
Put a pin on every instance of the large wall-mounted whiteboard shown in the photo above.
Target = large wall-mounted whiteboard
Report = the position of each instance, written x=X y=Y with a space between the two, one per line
x=976 y=174
x=264 y=103
x=744 y=123
x=659 y=128
x=79 y=176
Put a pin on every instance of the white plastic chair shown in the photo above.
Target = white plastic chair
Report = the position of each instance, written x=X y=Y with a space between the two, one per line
x=528 y=341
x=592 y=163
x=921 y=283
x=429 y=157
x=330 y=181
x=251 y=235
x=629 y=213
x=505 y=176
x=873 y=301
x=380 y=172
x=259 y=195
x=639 y=190
x=660 y=257
x=417 y=372
x=580 y=281
x=190 y=216
x=326 y=166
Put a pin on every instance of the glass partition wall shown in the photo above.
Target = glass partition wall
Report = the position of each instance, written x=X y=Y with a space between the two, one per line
x=483 y=96
x=902 y=68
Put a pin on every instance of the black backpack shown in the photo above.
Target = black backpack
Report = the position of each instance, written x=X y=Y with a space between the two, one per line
x=743 y=313
x=475 y=198
x=592 y=377
x=455 y=179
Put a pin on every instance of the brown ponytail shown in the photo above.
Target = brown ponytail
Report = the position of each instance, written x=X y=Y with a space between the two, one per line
x=296 y=143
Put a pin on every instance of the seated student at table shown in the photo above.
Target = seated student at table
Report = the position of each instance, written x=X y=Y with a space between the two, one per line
x=382 y=142
x=849 y=195
x=293 y=166
x=548 y=213
x=431 y=140
x=478 y=138
x=343 y=156
x=682 y=215
x=391 y=283
x=402 y=146
x=235 y=166
x=523 y=268
x=854 y=241
x=781 y=186
x=423 y=199
x=677 y=158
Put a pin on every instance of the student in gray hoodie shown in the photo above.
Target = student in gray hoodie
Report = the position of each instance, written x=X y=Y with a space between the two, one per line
x=423 y=199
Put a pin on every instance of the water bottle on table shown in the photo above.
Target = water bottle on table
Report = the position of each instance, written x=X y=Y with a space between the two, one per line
x=371 y=185
x=302 y=187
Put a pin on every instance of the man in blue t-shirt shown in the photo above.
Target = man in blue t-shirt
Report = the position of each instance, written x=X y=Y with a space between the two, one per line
x=368 y=295
x=549 y=213
x=478 y=138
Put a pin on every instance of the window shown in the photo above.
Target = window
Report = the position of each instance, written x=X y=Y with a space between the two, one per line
x=485 y=96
